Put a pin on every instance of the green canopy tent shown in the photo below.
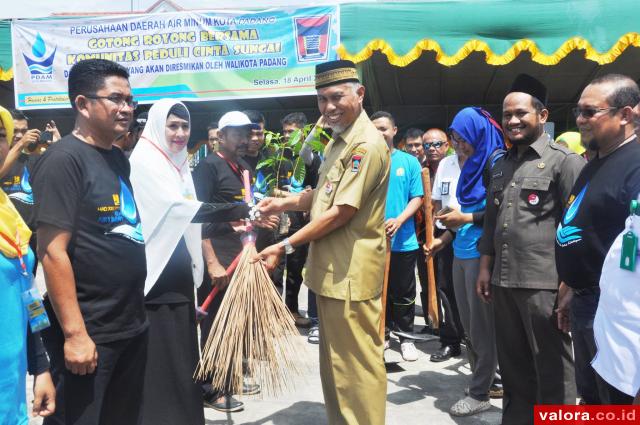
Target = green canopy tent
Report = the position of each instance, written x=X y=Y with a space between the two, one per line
x=423 y=61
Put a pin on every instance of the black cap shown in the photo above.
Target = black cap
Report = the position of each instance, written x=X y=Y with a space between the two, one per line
x=336 y=72
x=525 y=83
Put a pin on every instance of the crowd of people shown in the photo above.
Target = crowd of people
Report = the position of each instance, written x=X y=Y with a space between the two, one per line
x=132 y=234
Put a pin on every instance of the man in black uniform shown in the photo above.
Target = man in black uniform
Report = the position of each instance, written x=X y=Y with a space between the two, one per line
x=91 y=247
x=597 y=208
x=529 y=186
x=218 y=179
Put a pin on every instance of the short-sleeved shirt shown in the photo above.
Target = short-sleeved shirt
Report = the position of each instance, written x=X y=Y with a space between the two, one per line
x=445 y=184
x=525 y=200
x=216 y=181
x=17 y=185
x=405 y=183
x=595 y=215
x=465 y=245
x=86 y=191
x=348 y=263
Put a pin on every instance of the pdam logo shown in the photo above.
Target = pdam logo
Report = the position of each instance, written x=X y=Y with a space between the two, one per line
x=40 y=64
x=312 y=37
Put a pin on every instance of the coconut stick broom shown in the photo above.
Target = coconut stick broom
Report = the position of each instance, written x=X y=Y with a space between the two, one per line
x=253 y=334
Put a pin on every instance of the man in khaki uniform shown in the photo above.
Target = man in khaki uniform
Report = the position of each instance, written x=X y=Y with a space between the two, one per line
x=345 y=267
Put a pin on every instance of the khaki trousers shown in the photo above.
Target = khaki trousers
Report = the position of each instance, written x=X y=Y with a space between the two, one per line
x=354 y=379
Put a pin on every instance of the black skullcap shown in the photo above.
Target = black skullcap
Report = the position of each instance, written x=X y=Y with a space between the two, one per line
x=336 y=72
x=180 y=111
x=525 y=83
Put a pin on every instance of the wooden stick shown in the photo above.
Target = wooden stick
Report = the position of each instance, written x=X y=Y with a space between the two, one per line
x=428 y=224
x=385 y=285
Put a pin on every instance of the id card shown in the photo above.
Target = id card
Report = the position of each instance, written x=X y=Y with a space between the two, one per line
x=32 y=300
x=629 y=251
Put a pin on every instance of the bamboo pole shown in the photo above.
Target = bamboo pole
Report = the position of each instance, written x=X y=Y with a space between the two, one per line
x=432 y=308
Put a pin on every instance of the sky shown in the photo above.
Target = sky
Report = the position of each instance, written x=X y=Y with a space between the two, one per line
x=41 y=8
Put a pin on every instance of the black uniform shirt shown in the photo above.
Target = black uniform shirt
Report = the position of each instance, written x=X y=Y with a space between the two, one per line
x=525 y=199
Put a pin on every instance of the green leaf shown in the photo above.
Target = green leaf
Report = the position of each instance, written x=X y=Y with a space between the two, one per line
x=265 y=163
x=267 y=138
x=295 y=138
x=299 y=170
x=316 y=146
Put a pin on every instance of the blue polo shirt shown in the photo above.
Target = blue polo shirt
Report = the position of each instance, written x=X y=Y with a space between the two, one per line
x=405 y=183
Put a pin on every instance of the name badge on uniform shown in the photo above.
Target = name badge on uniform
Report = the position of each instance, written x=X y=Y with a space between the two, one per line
x=444 y=188
x=328 y=187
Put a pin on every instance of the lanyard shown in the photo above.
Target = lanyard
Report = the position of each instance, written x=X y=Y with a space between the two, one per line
x=178 y=169
x=236 y=170
x=16 y=246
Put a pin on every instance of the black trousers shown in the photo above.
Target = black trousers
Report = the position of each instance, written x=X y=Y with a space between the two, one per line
x=112 y=395
x=293 y=263
x=451 y=330
x=401 y=298
x=534 y=355
x=591 y=387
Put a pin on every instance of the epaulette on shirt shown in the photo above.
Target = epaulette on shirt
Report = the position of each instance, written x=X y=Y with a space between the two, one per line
x=561 y=148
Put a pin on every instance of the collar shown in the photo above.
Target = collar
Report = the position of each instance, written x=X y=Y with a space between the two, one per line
x=538 y=146
x=354 y=129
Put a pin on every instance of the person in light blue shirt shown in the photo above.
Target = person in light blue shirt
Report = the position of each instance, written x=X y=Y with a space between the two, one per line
x=404 y=198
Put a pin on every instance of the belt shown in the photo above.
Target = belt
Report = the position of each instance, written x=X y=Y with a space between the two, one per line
x=592 y=290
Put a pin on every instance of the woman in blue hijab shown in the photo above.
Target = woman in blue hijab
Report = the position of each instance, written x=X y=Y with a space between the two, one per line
x=478 y=136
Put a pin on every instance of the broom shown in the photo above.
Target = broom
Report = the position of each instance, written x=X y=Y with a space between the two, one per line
x=432 y=308
x=254 y=333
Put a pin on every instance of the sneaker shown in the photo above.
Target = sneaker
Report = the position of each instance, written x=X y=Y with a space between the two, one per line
x=313 y=337
x=496 y=391
x=387 y=344
x=469 y=406
x=250 y=389
x=224 y=403
x=409 y=352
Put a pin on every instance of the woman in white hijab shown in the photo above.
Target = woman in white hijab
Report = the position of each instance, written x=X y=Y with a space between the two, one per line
x=169 y=211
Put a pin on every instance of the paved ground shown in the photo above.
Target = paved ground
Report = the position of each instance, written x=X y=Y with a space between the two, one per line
x=417 y=392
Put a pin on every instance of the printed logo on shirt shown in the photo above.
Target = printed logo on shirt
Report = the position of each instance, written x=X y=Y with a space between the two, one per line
x=20 y=190
x=123 y=214
x=400 y=172
x=568 y=235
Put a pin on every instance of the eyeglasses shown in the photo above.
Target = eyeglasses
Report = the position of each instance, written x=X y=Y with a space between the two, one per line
x=118 y=100
x=588 y=113
x=436 y=145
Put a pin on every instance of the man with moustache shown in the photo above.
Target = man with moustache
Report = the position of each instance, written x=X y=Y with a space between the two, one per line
x=436 y=146
x=413 y=145
x=93 y=255
x=596 y=211
x=345 y=267
x=527 y=192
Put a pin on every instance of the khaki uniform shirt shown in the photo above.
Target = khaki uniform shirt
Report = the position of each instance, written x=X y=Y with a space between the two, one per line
x=525 y=200
x=348 y=263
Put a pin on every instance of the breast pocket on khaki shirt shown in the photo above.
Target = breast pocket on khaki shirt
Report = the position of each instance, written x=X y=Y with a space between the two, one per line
x=327 y=192
x=534 y=193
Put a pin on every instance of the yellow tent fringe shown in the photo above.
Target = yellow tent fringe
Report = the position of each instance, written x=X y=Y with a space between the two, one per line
x=6 y=75
x=629 y=39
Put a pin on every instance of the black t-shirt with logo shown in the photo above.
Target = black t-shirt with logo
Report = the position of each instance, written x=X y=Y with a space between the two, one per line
x=17 y=185
x=597 y=209
x=217 y=182
x=86 y=191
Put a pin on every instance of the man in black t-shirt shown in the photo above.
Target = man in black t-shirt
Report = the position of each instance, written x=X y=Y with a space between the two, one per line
x=92 y=251
x=218 y=179
x=595 y=215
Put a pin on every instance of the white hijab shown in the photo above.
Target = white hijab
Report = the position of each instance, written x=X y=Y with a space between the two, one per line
x=165 y=196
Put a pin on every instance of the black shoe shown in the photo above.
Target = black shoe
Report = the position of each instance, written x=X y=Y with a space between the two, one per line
x=223 y=404
x=445 y=353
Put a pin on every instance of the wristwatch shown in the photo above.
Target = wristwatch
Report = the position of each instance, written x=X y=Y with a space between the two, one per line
x=288 y=248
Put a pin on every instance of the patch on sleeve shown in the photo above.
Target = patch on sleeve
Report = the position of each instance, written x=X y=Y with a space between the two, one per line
x=356 y=158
